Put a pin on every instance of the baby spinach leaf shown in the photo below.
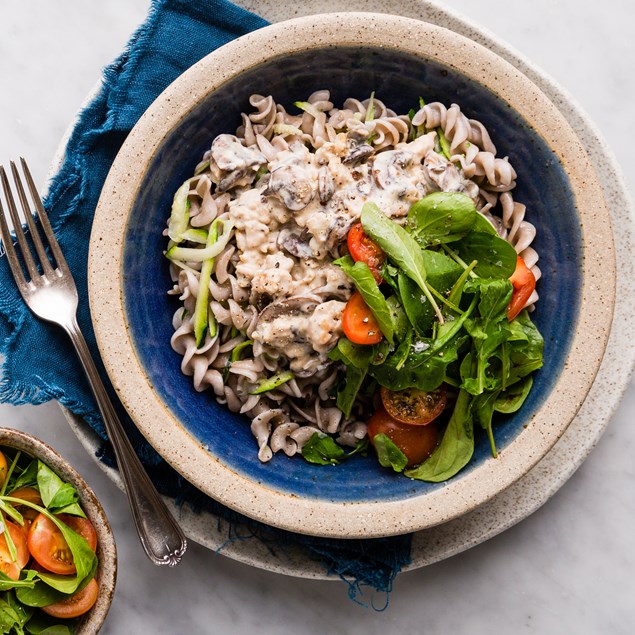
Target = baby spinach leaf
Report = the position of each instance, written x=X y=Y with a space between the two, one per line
x=388 y=454
x=442 y=274
x=374 y=298
x=424 y=373
x=483 y=225
x=351 y=354
x=398 y=316
x=7 y=583
x=513 y=398
x=416 y=306
x=442 y=217
x=11 y=618
x=347 y=393
x=526 y=348
x=56 y=494
x=482 y=408
x=323 y=450
x=496 y=257
x=40 y=594
x=442 y=271
x=456 y=447
x=27 y=478
x=41 y=624
x=399 y=246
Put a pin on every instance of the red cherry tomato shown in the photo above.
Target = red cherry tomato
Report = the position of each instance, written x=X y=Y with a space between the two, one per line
x=416 y=442
x=75 y=605
x=524 y=283
x=29 y=494
x=48 y=547
x=413 y=406
x=363 y=249
x=7 y=565
x=359 y=323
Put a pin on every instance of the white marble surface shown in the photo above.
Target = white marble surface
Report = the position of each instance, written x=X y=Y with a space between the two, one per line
x=567 y=568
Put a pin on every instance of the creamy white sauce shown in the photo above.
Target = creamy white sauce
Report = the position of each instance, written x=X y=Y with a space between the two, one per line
x=289 y=228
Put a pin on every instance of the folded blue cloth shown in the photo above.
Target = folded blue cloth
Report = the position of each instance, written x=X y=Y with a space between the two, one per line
x=39 y=362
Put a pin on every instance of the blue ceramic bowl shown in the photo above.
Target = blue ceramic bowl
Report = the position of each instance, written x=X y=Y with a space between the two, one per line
x=213 y=447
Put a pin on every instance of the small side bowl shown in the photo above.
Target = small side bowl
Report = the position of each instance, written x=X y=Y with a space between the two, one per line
x=92 y=621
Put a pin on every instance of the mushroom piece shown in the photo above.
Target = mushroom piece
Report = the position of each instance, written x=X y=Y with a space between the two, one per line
x=389 y=166
x=326 y=184
x=282 y=328
x=440 y=174
x=230 y=154
x=291 y=307
x=292 y=185
x=339 y=227
x=358 y=146
x=358 y=153
x=295 y=242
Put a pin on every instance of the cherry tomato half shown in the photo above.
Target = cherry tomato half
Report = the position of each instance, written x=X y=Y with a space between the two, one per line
x=359 y=323
x=524 y=283
x=75 y=605
x=416 y=442
x=48 y=547
x=413 y=406
x=3 y=468
x=363 y=249
x=29 y=494
x=7 y=564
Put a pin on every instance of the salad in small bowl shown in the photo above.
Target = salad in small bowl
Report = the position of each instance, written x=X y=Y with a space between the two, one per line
x=57 y=553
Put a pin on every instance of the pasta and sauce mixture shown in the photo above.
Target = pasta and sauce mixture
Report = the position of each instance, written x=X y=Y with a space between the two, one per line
x=256 y=234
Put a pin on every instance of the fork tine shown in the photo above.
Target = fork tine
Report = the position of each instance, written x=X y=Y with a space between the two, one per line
x=26 y=208
x=17 y=226
x=44 y=221
x=9 y=249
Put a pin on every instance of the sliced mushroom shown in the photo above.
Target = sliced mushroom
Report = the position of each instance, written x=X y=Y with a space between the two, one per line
x=292 y=185
x=358 y=146
x=234 y=177
x=282 y=327
x=326 y=184
x=440 y=174
x=339 y=227
x=389 y=166
x=358 y=153
x=230 y=154
x=291 y=307
x=295 y=242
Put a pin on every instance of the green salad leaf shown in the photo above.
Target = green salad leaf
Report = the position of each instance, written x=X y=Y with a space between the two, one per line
x=388 y=454
x=365 y=283
x=58 y=497
x=321 y=449
x=456 y=447
x=399 y=246
x=442 y=217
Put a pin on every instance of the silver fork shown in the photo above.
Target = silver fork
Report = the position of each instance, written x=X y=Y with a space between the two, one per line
x=52 y=296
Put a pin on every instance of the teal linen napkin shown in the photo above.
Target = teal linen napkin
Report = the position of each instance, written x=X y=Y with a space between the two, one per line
x=39 y=363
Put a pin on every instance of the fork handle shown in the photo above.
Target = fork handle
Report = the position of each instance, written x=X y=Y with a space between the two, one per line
x=161 y=536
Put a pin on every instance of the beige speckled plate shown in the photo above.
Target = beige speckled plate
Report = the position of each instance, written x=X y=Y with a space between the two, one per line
x=536 y=487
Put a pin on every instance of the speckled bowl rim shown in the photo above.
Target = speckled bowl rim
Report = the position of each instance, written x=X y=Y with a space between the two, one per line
x=184 y=452
x=106 y=550
x=533 y=490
